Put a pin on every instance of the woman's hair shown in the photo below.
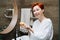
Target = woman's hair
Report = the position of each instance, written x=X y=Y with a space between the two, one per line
x=41 y=5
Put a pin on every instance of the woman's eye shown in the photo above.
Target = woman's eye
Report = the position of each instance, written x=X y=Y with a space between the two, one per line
x=37 y=9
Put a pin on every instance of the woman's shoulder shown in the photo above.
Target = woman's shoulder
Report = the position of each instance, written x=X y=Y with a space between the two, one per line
x=48 y=20
x=36 y=21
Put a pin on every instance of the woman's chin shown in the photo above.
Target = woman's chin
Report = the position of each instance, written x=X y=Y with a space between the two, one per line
x=37 y=17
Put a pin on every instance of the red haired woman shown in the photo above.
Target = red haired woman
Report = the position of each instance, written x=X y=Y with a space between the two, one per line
x=42 y=28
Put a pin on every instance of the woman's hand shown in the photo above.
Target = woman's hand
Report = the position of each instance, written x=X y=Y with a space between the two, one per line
x=23 y=25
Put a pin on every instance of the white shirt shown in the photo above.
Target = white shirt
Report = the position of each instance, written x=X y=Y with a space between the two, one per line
x=42 y=30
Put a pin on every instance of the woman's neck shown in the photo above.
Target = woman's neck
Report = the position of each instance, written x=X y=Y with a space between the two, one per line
x=42 y=18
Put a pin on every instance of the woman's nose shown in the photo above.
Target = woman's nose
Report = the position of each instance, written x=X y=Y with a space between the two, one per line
x=35 y=12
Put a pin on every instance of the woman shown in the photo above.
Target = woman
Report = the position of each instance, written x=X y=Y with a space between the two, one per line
x=42 y=28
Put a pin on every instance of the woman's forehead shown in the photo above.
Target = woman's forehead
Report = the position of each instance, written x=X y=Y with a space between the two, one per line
x=36 y=7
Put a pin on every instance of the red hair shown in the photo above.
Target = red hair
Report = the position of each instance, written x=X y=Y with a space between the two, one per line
x=41 y=5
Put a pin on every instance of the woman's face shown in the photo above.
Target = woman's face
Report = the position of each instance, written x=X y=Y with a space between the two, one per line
x=37 y=11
